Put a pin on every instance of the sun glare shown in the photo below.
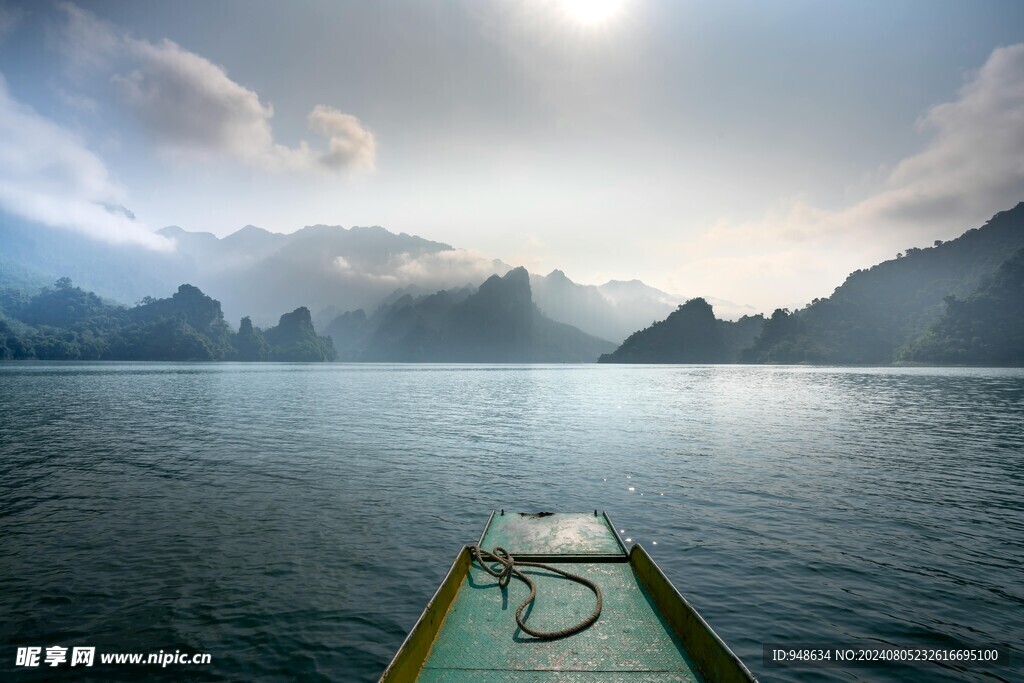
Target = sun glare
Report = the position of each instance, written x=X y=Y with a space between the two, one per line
x=592 y=12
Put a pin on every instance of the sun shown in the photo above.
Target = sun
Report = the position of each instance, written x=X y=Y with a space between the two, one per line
x=592 y=12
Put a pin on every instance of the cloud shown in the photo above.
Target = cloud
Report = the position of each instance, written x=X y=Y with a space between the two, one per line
x=195 y=112
x=455 y=266
x=440 y=269
x=10 y=17
x=342 y=264
x=77 y=101
x=349 y=143
x=47 y=175
x=192 y=108
x=88 y=43
x=970 y=166
x=974 y=163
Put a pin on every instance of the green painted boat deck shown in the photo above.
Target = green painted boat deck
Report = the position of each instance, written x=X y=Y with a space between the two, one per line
x=629 y=642
x=646 y=631
x=573 y=534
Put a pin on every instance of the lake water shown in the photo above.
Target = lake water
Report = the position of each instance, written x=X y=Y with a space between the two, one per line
x=293 y=520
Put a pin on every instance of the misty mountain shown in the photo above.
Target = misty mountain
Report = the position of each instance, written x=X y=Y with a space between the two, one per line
x=647 y=301
x=498 y=322
x=329 y=269
x=609 y=311
x=254 y=271
x=318 y=266
x=36 y=255
x=613 y=310
x=877 y=312
x=64 y=322
x=17 y=276
x=690 y=334
x=625 y=293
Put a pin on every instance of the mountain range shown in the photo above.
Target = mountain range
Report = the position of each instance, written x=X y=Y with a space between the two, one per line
x=496 y=323
x=388 y=297
x=329 y=269
x=956 y=302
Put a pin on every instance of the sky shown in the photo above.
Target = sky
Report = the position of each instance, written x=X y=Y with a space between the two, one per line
x=748 y=151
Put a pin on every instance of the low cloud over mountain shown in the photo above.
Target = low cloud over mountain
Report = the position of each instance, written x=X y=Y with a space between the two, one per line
x=330 y=269
x=48 y=175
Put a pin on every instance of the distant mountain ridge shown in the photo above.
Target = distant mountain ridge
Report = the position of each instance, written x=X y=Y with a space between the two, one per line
x=956 y=302
x=254 y=271
x=496 y=323
x=316 y=266
x=329 y=269
x=614 y=310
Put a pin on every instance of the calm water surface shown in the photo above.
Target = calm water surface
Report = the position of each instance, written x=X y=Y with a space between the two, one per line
x=293 y=520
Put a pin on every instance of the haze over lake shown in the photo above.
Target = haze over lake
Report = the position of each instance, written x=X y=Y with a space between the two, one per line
x=293 y=520
x=294 y=294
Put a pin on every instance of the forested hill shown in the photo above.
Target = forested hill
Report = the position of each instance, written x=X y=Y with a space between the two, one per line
x=64 y=322
x=985 y=328
x=690 y=334
x=957 y=302
x=879 y=315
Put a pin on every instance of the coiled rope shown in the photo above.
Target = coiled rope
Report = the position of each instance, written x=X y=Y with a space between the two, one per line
x=510 y=569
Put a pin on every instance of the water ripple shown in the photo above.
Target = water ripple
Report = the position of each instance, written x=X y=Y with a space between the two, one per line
x=293 y=520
